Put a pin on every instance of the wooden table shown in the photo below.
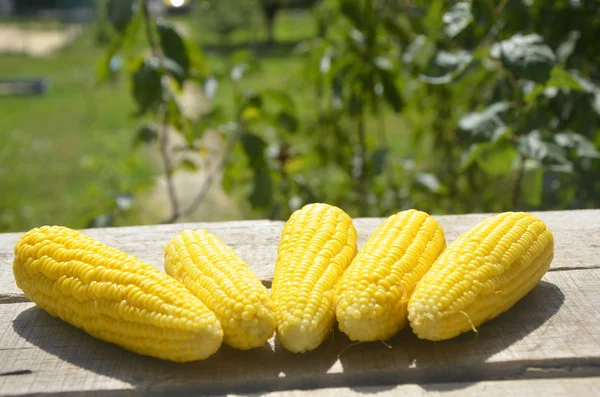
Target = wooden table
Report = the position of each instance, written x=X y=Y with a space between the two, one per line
x=547 y=345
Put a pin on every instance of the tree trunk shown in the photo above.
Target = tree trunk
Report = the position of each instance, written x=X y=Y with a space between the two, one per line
x=270 y=9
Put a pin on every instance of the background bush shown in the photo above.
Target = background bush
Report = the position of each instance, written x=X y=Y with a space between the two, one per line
x=371 y=105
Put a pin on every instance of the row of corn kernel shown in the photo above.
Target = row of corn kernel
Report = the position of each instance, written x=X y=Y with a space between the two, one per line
x=318 y=277
x=404 y=272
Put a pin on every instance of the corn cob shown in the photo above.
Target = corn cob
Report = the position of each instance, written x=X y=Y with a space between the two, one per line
x=221 y=279
x=318 y=242
x=481 y=275
x=372 y=295
x=113 y=296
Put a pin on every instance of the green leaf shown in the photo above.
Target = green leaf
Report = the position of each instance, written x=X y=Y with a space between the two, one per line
x=173 y=45
x=431 y=19
x=560 y=78
x=243 y=62
x=252 y=99
x=120 y=43
x=175 y=70
x=104 y=68
x=447 y=67
x=391 y=94
x=243 y=56
x=178 y=121
x=566 y=48
x=210 y=87
x=486 y=125
x=399 y=26
x=383 y=63
x=254 y=147
x=281 y=98
x=355 y=103
x=120 y=13
x=379 y=160
x=537 y=90
x=583 y=146
x=262 y=189
x=288 y=122
x=414 y=49
x=198 y=67
x=145 y=135
x=325 y=63
x=305 y=189
x=358 y=39
x=526 y=57
x=533 y=147
x=188 y=165
x=428 y=181
x=494 y=158
x=352 y=10
x=590 y=87
x=532 y=184
x=209 y=120
x=146 y=85
x=457 y=18
x=229 y=179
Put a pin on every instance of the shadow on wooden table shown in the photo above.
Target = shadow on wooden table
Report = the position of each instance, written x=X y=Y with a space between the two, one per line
x=228 y=371
x=462 y=359
x=333 y=364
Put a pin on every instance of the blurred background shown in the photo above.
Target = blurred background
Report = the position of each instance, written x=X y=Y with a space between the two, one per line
x=127 y=112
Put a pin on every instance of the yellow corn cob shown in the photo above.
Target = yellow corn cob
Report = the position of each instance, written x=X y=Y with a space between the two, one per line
x=318 y=242
x=221 y=279
x=481 y=275
x=372 y=295
x=113 y=296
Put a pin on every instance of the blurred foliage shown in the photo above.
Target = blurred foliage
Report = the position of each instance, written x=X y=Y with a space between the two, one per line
x=447 y=106
x=229 y=16
x=499 y=97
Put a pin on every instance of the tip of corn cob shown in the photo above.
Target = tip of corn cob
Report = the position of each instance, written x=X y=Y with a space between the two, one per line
x=373 y=292
x=481 y=275
x=317 y=243
x=215 y=274
x=113 y=296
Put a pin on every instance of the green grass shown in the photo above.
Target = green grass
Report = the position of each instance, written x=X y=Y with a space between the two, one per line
x=33 y=24
x=290 y=26
x=64 y=156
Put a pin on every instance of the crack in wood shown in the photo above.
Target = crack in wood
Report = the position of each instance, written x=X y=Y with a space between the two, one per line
x=12 y=298
x=568 y=269
x=17 y=372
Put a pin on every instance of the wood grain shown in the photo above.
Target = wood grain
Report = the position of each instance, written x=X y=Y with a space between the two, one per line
x=256 y=242
x=553 y=332
x=580 y=387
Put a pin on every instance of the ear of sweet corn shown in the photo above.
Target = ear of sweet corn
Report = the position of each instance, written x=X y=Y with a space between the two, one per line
x=225 y=283
x=113 y=296
x=481 y=275
x=317 y=244
x=372 y=295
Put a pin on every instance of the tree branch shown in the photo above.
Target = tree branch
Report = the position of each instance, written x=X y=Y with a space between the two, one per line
x=362 y=153
x=164 y=141
x=166 y=159
x=517 y=188
x=210 y=178
x=154 y=47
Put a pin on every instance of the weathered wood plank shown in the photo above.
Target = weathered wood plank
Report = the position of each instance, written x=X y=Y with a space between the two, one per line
x=553 y=332
x=256 y=241
x=561 y=387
